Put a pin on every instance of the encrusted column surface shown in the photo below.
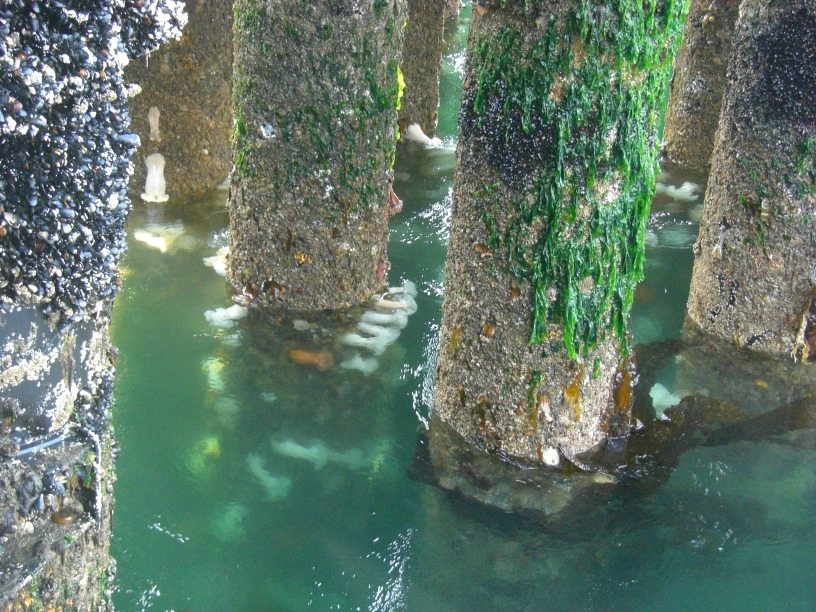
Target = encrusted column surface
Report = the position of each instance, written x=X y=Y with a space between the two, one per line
x=186 y=87
x=452 y=8
x=555 y=173
x=64 y=165
x=696 y=91
x=316 y=89
x=421 y=62
x=754 y=277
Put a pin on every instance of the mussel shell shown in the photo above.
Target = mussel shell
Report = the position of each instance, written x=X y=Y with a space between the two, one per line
x=63 y=516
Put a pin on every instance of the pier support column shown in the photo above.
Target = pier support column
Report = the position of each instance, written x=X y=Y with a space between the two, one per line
x=754 y=277
x=422 y=59
x=555 y=173
x=696 y=92
x=316 y=89
x=186 y=87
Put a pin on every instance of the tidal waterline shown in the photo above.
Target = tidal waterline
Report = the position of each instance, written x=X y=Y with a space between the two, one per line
x=248 y=482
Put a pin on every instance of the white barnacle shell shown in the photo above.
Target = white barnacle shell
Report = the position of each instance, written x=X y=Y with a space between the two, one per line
x=550 y=456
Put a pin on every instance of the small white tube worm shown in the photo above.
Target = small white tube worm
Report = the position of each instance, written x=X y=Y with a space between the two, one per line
x=155 y=185
x=153 y=119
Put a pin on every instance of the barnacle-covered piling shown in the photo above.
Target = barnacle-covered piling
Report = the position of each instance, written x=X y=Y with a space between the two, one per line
x=696 y=93
x=755 y=269
x=316 y=90
x=422 y=58
x=556 y=165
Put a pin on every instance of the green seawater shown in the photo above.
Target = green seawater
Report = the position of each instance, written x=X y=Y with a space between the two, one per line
x=249 y=483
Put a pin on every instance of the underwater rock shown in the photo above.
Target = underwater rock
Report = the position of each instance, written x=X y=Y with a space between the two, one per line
x=645 y=330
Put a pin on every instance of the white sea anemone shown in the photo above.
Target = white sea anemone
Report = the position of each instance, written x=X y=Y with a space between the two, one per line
x=662 y=398
x=229 y=525
x=550 y=456
x=276 y=487
x=316 y=453
x=414 y=132
x=213 y=367
x=218 y=262
x=161 y=237
x=155 y=185
x=319 y=454
x=397 y=318
x=366 y=365
x=224 y=318
x=687 y=192
x=227 y=409
x=380 y=339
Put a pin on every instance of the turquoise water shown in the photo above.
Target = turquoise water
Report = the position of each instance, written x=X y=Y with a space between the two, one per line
x=249 y=483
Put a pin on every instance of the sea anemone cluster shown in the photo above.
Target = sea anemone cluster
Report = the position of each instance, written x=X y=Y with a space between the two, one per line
x=379 y=327
x=65 y=144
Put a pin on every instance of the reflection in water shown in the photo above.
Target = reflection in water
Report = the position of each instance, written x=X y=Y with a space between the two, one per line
x=286 y=484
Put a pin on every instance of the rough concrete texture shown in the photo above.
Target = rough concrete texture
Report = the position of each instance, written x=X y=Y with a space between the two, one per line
x=452 y=8
x=315 y=94
x=190 y=82
x=754 y=277
x=446 y=460
x=695 y=95
x=421 y=62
